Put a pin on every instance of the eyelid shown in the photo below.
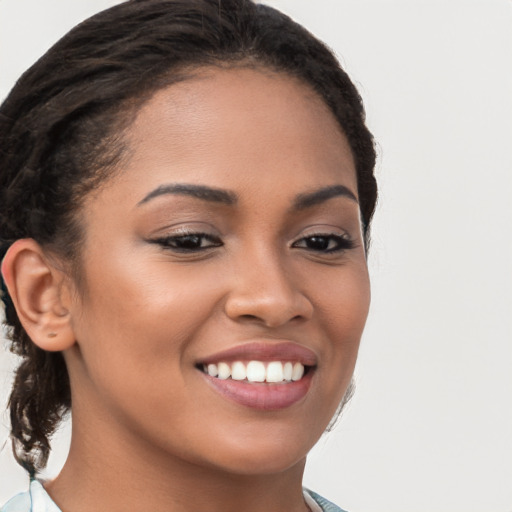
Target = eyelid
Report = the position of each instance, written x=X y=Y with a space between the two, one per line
x=173 y=238
x=184 y=227
x=343 y=239
x=338 y=236
x=185 y=230
x=172 y=243
x=323 y=230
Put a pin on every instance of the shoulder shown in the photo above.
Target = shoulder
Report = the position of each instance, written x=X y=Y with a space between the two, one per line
x=35 y=499
x=322 y=504
x=20 y=503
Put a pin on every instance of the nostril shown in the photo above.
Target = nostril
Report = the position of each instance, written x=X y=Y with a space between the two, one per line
x=249 y=317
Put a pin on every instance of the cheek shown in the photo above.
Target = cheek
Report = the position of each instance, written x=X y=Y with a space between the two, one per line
x=347 y=315
x=142 y=295
x=134 y=335
x=136 y=321
x=342 y=314
x=344 y=303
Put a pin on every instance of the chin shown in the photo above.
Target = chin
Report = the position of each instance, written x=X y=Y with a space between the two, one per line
x=261 y=464
x=262 y=453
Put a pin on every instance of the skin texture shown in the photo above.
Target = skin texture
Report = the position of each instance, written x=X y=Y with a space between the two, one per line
x=148 y=429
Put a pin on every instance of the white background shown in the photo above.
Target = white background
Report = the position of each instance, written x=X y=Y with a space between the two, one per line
x=430 y=427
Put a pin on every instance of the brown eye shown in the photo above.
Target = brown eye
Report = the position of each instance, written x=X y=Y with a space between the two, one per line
x=324 y=243
x=190 y=242
x=319 y=243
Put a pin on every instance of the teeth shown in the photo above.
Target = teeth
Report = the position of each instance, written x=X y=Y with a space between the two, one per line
x=288 y=371
x=298 y=371
x=224 y=371
x=238 y=372
x=256 y=371
x=275 y=371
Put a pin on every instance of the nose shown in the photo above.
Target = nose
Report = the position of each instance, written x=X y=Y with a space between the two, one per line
x=266 y=292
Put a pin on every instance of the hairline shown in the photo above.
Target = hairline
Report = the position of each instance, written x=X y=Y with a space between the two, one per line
x=126 y=112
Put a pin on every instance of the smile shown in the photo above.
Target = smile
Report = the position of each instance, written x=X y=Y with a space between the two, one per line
x=256 y=371
x=265 y=376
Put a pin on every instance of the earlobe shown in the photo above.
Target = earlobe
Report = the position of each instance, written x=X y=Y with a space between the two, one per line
x=36 y=289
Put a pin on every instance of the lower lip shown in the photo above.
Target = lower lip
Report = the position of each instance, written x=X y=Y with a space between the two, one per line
x=260 y=395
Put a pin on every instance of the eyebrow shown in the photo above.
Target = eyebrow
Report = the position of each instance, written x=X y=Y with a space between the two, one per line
x=214 y=195
x=217 y=195
x=309 y=199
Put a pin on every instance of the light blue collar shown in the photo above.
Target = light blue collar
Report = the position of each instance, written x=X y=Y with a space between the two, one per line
x=38 y=500
x=35 y=500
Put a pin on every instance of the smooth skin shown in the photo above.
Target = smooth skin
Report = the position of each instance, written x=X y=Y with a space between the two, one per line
x=169 y=278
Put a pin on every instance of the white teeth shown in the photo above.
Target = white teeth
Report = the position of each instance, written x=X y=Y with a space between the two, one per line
x=224 y=371
x=238 y=371
x=288 y=371
x=298 y=371
x=275 y=371
x=212 y=370
x=256 y=371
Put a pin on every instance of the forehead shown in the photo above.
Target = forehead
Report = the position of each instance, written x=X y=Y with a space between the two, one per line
x=230 y=127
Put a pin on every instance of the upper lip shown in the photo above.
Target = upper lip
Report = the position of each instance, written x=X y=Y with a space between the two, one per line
x=265 y=351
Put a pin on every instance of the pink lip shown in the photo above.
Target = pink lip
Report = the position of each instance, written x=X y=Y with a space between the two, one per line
x=265 y=351
x=263 y=396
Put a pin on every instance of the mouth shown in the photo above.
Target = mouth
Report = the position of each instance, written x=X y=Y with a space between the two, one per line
x=261 y=376
x=272 y=372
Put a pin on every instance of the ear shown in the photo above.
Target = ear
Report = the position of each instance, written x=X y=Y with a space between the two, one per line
x=40 y=295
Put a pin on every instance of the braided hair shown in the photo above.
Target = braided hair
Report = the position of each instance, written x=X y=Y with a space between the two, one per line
x=61 y=133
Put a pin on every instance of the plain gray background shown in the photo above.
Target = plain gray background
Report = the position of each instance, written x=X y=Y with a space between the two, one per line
x=430 y=427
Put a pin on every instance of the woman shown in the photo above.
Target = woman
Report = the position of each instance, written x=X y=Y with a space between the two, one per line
x=187 y=188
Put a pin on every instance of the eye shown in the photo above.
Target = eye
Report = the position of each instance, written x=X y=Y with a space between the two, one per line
x=325 y=243
x=189 y=242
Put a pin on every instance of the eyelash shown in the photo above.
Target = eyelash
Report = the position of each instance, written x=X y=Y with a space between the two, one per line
x=173 y=242
x=341 y=242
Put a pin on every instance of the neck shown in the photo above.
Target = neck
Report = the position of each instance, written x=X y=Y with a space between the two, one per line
x=116 y=472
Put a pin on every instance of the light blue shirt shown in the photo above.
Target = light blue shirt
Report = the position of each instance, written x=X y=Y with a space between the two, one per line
x=36 y=499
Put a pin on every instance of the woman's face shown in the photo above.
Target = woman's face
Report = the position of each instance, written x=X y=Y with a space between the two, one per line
x=227 y=248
